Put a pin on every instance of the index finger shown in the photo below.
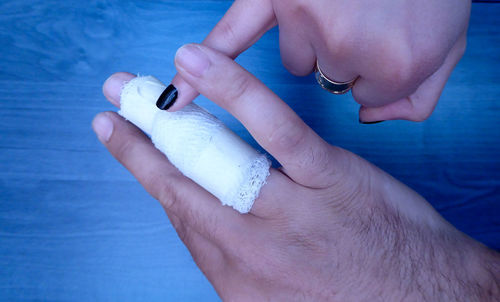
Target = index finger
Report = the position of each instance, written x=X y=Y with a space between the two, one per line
x=306 y=158
x=242 y=25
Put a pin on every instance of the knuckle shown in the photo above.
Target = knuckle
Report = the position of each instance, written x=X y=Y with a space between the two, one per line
x=399 y=70
x=287 y=135
x=212 y=228
x=398 y=59
x=318 y=158
x=175 y=222
x=426 y=61
x=168 y=192
x=226 y=32
x=182 y=231
x=124 y=151
x=339 y=43
x=301 y=6
x=292 y=140
x=241 y=85
x=408 y=65
x=399 y=67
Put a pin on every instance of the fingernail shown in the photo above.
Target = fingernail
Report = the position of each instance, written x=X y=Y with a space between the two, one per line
x=192 y=59
x=103 y=127
x=369 y=123
x=167 y=98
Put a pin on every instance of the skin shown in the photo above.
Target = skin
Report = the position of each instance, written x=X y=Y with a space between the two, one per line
x=401 y=52
x=328 y=225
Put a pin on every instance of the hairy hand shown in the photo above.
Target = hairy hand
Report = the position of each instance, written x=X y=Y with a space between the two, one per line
x=402 y=51
x=328 y=225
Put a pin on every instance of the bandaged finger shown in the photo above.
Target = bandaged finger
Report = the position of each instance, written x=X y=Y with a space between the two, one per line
x=198 y=144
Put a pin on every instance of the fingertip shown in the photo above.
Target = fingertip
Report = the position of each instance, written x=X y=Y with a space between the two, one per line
x=103 y=126
x=186 y=93
x=112 y=87
x=368 y=115
x=192 y=60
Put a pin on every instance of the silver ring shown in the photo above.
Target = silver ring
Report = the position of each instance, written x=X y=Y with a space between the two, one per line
x=330 y=85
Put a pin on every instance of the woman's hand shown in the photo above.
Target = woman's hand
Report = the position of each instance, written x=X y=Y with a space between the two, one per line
x=402 y=51
x=328 y=225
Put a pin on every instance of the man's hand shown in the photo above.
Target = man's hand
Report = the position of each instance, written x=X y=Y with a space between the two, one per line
x=328 y=225
x=402 y=51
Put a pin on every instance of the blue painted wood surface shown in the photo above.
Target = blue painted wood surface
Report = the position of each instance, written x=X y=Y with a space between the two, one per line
x=75 y=226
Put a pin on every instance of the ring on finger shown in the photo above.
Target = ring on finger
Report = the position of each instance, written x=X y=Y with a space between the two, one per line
x=331 y=85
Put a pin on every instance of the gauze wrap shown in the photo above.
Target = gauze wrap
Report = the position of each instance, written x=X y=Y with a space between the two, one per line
x=198 y=144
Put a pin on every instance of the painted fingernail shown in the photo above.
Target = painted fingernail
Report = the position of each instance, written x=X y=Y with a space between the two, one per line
x=192 y=59
x=369 y=123
x=103 y=127
x=167 y=98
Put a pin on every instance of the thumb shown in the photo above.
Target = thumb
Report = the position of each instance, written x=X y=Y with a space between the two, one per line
x=242 y=25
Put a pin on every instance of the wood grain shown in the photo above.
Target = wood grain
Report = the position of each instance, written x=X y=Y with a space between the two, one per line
x=75 y=226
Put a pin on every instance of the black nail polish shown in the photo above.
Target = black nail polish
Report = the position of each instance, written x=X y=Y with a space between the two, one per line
x=167 y=98
x=369 y=123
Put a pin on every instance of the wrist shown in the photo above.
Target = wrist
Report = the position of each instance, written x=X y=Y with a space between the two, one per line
x=414 y=258
x=444 y=265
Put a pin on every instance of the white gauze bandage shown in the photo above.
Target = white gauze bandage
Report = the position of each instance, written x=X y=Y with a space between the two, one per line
x=198 y=144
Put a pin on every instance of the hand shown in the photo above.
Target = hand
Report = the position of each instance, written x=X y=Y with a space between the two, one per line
x=327 y=226
x=402 y=51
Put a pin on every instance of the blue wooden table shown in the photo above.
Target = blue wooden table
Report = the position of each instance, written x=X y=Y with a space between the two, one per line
x=76 y=226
